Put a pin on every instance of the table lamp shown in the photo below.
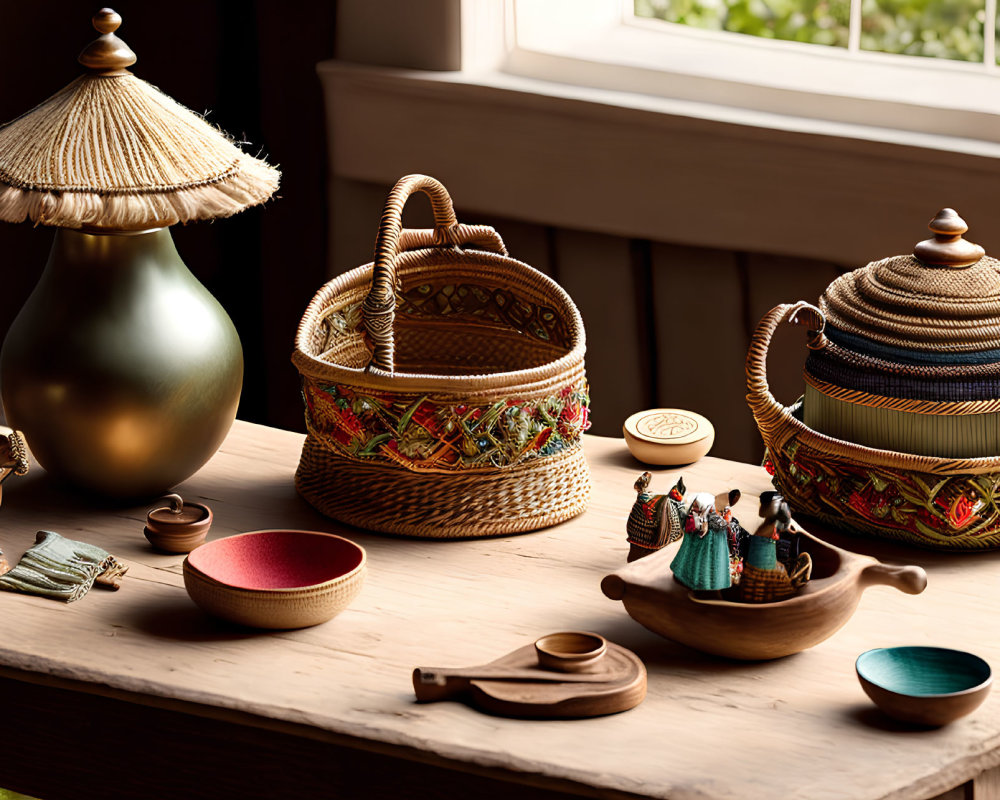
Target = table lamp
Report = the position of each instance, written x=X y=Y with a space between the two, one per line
x=122 y=371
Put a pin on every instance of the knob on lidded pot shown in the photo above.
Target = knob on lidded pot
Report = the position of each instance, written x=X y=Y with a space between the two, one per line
x=947 y=248
x=121 y=369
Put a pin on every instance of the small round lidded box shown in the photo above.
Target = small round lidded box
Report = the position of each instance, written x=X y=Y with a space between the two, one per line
x=668 y=436
x=898 y=432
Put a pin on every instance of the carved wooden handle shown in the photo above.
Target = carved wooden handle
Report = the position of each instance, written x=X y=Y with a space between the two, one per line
x=908 y=579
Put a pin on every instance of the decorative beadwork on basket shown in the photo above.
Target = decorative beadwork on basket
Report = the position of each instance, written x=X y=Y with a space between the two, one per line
x=426 y=433
x=922 y=508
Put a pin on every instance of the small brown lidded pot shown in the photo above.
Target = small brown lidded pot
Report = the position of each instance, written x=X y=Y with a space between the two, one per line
x=179 y=527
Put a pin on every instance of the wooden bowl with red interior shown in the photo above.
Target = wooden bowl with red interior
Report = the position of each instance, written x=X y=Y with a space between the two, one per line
x=275 y=578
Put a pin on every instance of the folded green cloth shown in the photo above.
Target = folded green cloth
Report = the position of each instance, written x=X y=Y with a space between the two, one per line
x=62 y=568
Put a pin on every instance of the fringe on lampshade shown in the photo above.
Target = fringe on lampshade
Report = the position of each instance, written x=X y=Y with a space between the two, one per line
x=112 y=151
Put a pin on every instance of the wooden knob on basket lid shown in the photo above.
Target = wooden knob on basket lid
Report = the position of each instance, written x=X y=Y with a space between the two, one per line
x=947 y=248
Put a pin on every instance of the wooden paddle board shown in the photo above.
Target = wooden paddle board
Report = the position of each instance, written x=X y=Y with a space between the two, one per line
x=617 y=683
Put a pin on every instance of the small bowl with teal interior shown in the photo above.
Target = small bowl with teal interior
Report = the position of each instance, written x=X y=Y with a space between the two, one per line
x=924 y=685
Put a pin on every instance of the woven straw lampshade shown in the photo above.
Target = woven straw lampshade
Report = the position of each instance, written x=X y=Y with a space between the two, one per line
x=111 y=151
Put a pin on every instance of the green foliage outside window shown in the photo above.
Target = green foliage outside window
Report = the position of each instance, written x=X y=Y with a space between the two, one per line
x=950 y=29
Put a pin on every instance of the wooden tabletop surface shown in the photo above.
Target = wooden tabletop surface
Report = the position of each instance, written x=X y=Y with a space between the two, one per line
x=796 y=727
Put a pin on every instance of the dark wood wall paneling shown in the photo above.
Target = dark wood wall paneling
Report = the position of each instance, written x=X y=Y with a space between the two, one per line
x=252 y=66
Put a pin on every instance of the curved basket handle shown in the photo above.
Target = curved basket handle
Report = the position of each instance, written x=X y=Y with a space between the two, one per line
x=481 y=237
x=766 y=409
x=379 y=307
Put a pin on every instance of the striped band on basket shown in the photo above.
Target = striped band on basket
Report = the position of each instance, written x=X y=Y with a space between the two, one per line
x=943 y=407
x=844 y=357
x=933 y=395
x=444 y=433
x=903 y=355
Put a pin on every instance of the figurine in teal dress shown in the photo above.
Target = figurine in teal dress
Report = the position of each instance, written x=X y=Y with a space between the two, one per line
x=702 y=563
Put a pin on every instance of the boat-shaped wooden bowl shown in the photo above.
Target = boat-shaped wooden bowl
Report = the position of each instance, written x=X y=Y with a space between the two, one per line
x=755 y=631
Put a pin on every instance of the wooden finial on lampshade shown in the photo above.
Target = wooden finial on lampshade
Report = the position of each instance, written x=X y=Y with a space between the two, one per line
x=948 y=248
x=107 y=53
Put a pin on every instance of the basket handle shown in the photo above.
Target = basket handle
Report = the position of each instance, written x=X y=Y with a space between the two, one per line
x=767 y=411
x=379 y=307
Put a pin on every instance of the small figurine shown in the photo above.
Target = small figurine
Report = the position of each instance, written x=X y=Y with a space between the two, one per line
x=765 y=579
x=702 y=563
x=738 y=537
x=655 y=520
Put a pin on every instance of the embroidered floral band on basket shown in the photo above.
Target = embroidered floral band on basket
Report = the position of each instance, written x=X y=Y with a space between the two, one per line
x=444 y=386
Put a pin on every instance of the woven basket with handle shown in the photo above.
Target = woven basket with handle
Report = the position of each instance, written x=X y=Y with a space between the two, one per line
x=444 y=385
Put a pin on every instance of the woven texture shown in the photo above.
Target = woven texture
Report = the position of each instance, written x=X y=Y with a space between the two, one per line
x=444 y=386
x=393 y=499
x=274 y=609
x=938 y=502
x=112 y=151
x=938 y=384
x=909 y=426
x=901 y=302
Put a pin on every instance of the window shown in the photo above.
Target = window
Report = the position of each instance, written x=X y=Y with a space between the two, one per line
x=787 y=85
x=950 y=29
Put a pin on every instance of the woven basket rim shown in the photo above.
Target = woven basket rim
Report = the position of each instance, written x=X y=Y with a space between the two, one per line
x=540 y=376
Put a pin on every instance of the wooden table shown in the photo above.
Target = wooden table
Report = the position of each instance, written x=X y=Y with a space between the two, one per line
x=138 y=694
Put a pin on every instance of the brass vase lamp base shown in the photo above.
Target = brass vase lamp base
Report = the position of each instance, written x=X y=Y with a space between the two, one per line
x=121 y=369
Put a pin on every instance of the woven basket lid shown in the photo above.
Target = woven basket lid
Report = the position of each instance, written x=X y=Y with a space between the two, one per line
x=944 y=298
x=112 y=151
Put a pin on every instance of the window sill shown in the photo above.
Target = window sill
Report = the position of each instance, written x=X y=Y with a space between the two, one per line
x=666 y=169
x=826 y=84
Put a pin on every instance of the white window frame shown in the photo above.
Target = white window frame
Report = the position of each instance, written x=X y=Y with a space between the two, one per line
x=599 y=44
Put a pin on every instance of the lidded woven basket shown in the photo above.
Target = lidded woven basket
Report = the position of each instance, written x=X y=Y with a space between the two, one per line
x=898 y=432
x=444 y=386
x=912 y=358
